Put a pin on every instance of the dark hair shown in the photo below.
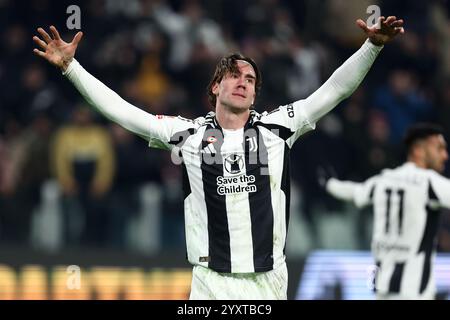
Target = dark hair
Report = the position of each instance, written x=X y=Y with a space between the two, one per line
x=419 y=132
x=226 y=65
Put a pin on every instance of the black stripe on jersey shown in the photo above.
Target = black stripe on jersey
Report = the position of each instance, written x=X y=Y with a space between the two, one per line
x=218 y=233
x=282 y=132
x=286 y=185
x=428 y=239
x=179 y=138
x=261 y=211
x=371 y=193
x=396 y=279
x=388 y=210
x=426 y=272
x=401 y=194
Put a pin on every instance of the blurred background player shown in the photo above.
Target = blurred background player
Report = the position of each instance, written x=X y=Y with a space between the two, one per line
x=406 y=202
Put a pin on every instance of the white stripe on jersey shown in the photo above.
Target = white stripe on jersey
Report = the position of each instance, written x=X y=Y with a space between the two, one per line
x=197 y=238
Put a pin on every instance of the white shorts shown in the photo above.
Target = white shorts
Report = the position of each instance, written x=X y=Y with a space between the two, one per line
x=210 y=285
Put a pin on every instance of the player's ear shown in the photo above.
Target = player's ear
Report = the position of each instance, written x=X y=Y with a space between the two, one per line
x=420 y=150
x=215 y=88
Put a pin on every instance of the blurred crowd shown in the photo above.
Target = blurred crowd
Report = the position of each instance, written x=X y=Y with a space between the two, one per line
x=159 y=55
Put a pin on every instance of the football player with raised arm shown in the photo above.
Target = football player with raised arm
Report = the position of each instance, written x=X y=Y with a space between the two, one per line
x=235 y=160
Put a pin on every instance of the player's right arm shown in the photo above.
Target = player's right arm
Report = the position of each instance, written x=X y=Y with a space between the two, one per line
x=106 y=101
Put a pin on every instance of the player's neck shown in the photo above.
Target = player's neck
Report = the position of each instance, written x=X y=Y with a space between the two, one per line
x=231 y=120
x=418 y=162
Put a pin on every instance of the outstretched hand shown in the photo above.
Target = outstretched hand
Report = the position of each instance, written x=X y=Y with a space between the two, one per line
x=384 y=31
x=55 y=50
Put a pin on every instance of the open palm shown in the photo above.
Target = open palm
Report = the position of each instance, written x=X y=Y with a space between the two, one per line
x=55 y=50
x=384 y=31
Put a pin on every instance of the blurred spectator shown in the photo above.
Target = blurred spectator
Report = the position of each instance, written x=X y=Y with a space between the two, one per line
x=84 y=165
x=151 y=80
x=380 y=153
x=354 y=116
x=15 y=207
x=40 y=95
x=186 y=29
x=443 y=110
x=135 y=165
x=443 y=104
x=440 y=21
x=36 y=168
x=323 y=148
x=403 y=102
x=23 y=169
x=12 y=46
x=304 y=76
x=173 y=199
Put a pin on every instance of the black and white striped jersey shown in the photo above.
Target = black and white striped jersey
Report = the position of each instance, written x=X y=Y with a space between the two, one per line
x=406 y=202
x=236 y=185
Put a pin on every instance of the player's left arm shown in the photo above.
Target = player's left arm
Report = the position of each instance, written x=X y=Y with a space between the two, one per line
x=441 y=187
x=344 y=81
x=361 y=194
x=342 y=190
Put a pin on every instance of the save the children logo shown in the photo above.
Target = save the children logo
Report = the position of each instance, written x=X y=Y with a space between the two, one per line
x=237 y=181
x=236 y=184
x=234 y=164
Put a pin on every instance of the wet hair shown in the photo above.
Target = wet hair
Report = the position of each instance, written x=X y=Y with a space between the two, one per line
x=228 y=65
x=418 y=132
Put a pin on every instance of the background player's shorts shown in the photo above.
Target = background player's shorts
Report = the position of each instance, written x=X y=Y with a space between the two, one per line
x=392 y=296
x=428 y=294
x=208 y=285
